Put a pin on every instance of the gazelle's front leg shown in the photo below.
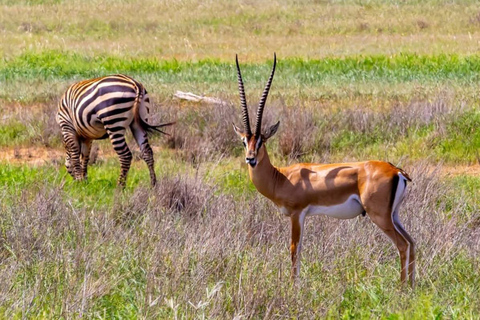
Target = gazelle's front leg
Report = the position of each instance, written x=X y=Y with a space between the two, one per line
x=298 y=219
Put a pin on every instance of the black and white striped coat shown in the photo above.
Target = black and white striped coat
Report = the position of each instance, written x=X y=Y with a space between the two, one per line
x=104 y=108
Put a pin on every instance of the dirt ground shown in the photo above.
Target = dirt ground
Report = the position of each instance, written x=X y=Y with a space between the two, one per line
x=473 y=170
x=37 y=156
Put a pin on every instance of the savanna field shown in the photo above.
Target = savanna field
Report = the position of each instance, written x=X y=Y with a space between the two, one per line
x=397 y=81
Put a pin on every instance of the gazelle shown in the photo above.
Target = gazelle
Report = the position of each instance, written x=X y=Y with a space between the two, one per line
x=339 y=190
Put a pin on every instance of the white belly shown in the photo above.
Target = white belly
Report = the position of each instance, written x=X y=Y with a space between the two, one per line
x=347 y=210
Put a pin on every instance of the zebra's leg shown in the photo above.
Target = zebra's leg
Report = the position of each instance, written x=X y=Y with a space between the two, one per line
x=72 y=147
x=147 y=153
x=121 y=148
x=86 y=147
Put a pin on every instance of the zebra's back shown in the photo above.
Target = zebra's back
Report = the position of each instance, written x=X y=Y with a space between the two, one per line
x=102 y=104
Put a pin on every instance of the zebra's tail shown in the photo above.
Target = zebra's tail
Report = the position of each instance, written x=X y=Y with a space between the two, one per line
x=146 y=126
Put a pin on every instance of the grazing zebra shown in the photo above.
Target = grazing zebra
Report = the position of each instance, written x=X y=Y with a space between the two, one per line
x=104 y=108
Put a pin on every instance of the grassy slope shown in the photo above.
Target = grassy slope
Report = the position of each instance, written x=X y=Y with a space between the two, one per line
x=86 y=249
x=366 y=80
x=189 y=30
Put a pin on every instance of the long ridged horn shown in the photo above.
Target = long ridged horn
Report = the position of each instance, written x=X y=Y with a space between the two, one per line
x=261 y=105
x=243 y=100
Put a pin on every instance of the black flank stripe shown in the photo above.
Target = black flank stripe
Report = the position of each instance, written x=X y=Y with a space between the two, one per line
x=116 y=111
x=112 y=121
x=81 y=106
x=109 y=113
x=116 y=88
x=111 y=102
x=102 y=91
x=89 y=117
x=82 y=92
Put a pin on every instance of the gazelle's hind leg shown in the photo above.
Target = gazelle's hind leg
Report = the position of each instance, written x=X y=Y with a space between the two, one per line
x=382 y=205
x=398 y=199
x=385 y=223
x=121 y=148
x=411 y=258
x=147 y=153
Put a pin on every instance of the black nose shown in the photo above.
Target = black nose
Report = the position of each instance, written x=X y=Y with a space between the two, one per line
x=251 y=161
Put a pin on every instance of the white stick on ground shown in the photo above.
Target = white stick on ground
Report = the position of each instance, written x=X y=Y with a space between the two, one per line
x=196 y=98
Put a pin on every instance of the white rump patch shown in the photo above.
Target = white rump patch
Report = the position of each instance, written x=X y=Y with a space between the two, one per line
x=400 y=191
x=399 y=194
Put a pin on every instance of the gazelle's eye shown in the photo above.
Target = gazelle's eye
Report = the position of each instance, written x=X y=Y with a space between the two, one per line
x=244 y=141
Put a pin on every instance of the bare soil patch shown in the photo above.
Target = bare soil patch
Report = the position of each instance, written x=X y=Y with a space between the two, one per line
x=37 y=156
x=472 y=170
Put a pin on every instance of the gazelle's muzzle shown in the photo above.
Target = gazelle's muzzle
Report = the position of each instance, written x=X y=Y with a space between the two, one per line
x=251 y=161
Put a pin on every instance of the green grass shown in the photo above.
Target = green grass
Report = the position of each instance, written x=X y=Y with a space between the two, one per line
x=462 y=139
x=14 y=133
x=467 y=186
x=98 y=192
x=455 y=141
x=46 y=65
x=38 y=76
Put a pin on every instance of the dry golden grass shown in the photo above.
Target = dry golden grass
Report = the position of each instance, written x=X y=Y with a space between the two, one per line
x=192 y=30
x=197 y=248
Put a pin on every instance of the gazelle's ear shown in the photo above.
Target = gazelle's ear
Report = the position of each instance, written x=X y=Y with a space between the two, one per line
x=238 y=131
x=271 y=131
